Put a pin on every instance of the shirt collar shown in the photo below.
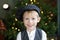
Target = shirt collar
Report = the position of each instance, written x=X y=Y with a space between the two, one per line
x=32 y=32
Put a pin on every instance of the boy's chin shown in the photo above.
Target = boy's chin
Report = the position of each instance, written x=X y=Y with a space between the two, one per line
x=31 y=28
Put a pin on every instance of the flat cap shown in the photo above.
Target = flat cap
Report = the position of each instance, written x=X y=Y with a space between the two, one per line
x=28 y=7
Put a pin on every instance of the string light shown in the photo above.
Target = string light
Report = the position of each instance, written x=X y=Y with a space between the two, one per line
x=34 y=0
x=16 y=19
x=50 y=18
x=12 y=27
x=45 y=23
x=15 y=28
x=42 y=12
x=31 y=0
x=52 y=39
x=18 y=29
x=26 y=3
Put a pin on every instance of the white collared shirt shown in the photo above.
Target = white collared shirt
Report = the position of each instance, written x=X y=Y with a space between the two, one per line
x=31 y=35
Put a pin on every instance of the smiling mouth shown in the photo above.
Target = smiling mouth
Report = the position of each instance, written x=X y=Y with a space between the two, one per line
x=29 y=25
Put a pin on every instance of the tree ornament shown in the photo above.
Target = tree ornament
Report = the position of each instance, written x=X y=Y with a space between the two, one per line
x=2 y=29
x=51 y=14
x=5 y=6
x=2 y=26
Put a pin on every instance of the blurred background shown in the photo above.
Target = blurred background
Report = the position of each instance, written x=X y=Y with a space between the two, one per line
x=10 y=26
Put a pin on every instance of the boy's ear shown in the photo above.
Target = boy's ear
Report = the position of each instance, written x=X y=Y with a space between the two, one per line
x=39 y=18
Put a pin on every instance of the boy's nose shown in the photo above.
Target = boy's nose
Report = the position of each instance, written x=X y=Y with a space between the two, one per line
x=30 y=21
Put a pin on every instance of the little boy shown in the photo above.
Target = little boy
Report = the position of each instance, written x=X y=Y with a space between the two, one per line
x=30 y=16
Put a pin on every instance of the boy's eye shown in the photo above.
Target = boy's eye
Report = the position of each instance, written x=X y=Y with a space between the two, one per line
x=33 y=18
x=26 y=18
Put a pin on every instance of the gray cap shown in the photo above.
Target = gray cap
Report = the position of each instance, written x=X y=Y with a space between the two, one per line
x=28 y=7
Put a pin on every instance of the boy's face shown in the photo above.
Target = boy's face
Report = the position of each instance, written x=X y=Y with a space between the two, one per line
x=30 y=19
